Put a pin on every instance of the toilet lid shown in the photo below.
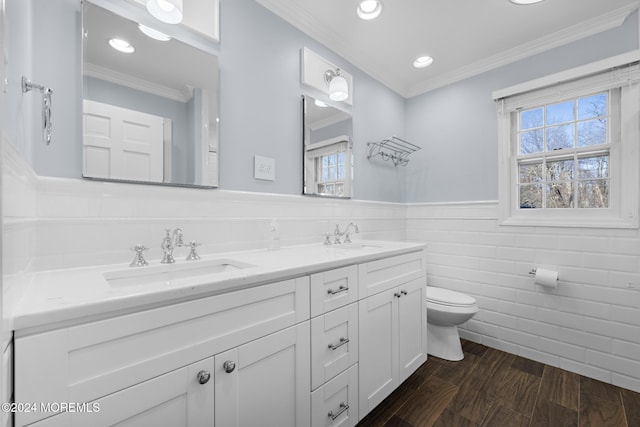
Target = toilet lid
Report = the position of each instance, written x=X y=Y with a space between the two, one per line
x=448 y=297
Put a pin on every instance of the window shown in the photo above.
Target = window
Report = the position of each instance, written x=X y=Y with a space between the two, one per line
x=569 y=150
x=329 y=168
x=563 y=154
x=331 y=173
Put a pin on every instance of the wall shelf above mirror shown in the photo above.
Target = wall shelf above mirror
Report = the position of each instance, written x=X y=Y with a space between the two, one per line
x=150 y=116
x=327 y=150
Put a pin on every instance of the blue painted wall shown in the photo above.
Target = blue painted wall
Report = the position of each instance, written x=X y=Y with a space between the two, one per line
x=457 y=124
x=260 y=108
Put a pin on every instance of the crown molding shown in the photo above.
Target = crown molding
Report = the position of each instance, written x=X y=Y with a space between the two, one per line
x=576 y=32
x=122 y=79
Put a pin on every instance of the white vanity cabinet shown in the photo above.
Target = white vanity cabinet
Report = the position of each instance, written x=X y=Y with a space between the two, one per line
x=392 y=325
x=320 y=349
x=118 y=359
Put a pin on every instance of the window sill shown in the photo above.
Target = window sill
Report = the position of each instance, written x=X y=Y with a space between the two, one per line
x=551 y=220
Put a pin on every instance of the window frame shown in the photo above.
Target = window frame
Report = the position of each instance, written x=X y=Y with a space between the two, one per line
x=621 y=74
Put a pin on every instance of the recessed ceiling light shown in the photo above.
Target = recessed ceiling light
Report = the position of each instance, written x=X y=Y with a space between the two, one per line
x=169 y=11
x=525 y=1
x=369 y=9
x=423 y=61
x=154 y=34
x=121 y=45
x=320 y=103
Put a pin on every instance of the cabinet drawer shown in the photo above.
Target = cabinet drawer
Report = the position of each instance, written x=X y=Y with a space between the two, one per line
x=336 y=402
x=334 y=343
x=333 y=289
x=89 y=361
x=383 y=274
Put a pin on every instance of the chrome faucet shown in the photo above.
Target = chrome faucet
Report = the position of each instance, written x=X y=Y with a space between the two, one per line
x=169 y=243
x=337 y=234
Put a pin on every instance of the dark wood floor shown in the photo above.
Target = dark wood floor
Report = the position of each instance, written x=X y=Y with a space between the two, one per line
x=493 y=388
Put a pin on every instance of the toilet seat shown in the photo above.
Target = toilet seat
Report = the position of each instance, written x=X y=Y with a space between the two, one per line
x=448 y=297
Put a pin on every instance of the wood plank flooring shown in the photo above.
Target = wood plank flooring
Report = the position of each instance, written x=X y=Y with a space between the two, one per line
x=492 y=388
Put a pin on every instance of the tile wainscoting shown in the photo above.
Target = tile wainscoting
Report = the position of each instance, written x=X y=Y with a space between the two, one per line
x=589 y=324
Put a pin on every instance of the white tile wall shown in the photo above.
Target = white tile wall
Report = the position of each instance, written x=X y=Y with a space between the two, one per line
x=589 y=324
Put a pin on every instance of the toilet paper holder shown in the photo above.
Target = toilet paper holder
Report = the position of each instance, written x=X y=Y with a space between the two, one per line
x=533 y=272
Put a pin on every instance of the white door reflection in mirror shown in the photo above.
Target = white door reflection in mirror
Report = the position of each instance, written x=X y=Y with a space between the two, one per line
x=328 y=159
x=122 y=144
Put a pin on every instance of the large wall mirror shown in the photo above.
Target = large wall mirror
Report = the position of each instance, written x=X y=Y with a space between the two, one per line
x=151 y=115
x=328 y=159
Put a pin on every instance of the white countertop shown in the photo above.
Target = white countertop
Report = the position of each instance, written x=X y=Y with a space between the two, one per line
x=72 y=295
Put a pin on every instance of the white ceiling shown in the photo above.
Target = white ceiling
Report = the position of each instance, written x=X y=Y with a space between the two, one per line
x=465 y=37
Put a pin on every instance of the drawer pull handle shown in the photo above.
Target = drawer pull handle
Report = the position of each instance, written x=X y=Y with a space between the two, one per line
x=403 y=292
x=204 y=377
x=340 y=289
x=342 y=342
x=229 y=366
x=343 y=407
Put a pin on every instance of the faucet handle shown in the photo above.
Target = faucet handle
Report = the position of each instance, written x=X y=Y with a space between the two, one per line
x=193 y=255
x=138 y=260
x=178 y=239
x=327 y=239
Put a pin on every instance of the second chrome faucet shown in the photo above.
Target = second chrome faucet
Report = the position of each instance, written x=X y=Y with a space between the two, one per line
x=169 y=243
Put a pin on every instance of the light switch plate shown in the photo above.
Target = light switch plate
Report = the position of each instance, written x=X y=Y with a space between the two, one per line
x=264 y=168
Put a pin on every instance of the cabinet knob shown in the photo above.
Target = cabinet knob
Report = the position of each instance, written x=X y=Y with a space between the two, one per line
x=403 y=292
x=397 y=295
x=229 y=366
x=203 y=377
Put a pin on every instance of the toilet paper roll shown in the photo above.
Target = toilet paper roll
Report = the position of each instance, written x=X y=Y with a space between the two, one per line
x=547 y=278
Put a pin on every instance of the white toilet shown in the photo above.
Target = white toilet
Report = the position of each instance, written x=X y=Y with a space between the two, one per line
x=446 y=309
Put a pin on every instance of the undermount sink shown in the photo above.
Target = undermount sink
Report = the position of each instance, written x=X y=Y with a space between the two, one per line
x=166 y=273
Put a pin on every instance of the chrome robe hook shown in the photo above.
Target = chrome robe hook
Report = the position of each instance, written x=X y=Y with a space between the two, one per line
x=47 y=127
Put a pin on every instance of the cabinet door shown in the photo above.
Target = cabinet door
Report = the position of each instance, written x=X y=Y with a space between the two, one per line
x=412 y=327
x=177 y=398
x=378 y=323
x=265 y=382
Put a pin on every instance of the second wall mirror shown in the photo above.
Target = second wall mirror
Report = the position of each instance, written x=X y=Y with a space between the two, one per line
x=327 y=149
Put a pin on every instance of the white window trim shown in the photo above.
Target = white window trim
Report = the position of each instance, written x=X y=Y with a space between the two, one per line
x=620 y=71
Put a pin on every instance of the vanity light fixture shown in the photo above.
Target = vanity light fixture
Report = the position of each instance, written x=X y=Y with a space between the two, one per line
x=524 y=2
x=154 y=34
x=338 y=87
x=167 y=11
x=422 y=61
x=369 y=9
x=121 y=45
